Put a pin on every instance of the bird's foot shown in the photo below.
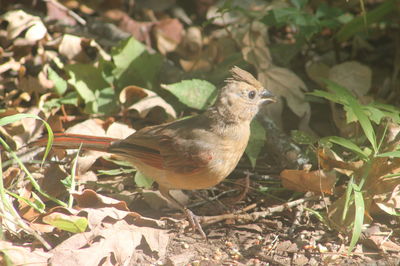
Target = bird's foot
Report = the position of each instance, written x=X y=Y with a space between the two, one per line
x=194 y=222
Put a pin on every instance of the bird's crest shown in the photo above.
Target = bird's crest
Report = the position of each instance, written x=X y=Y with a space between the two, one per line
x=240 y=75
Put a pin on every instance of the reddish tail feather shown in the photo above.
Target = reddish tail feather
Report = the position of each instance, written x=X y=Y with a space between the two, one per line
x=74 y=141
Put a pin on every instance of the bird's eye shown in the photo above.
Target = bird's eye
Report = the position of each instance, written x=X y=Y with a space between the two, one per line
x=252 y=94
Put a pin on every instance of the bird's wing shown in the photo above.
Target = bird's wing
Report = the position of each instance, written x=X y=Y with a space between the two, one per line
x=171 y=147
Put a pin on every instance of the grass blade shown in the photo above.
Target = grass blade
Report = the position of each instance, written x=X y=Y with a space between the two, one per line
x=359 y=217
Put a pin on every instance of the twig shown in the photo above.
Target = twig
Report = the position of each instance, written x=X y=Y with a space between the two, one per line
x=247 y=217
x=69 y=12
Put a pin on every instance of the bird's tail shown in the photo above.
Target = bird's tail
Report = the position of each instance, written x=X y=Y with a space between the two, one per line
x=74 y=141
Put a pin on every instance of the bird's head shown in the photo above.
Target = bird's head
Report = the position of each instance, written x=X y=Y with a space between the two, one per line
x=242 y=96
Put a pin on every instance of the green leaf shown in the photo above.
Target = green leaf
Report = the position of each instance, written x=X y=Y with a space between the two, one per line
x=299 y=4
x=117 y=171
x=357 y=110
x=280 y=16
x=389 y=111
x=106 y=101
x=125 y=53
x=13 y=118
x=347 y=144
x=256 y=142
x=327 y=11
x=359 y=216
x=135 y=65
x=348 y=198
x=327 y=95
x=69 y=98
x=340 y=91
x=364 y=122
x=107 y=68
x=195 y=93
x=303 y=138
x=395 y=154
x=350 y=115
x=73 y=224
x=358 y=23
x=86 y=79
x=37 y=204
x=60 y=85
x=143 y=181
x=374 y=114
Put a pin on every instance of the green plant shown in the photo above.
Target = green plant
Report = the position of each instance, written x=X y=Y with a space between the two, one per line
x=377 y=158
x=307 y=23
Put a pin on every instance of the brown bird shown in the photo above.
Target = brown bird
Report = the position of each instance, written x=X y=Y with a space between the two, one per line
x=194 y=153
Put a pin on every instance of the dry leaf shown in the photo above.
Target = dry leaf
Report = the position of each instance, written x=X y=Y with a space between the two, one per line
x=131 y=94
x=10 y=65
x=329 y=160
x=90 y=199
x=70 y=46
x=26 y=129
x=51 y=182
x=147 y=101
x=10 y=175
x=304 y=181
x=19 y=255
x=54 y=12
x=198 y=64
x=353 y=76
x=139 y=30
x=317 y=71
x=284 y=83
x=168 y=34
x=254 y=46
x=378 y=239
x=119 y=240
x=156 y=201
x=91 y=127
x=280 y=81
x=389 y=202
x=19 y=21
x=192 y=42
x=119 y=131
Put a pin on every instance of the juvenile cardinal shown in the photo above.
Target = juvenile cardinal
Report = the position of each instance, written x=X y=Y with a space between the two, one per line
x=194 y=153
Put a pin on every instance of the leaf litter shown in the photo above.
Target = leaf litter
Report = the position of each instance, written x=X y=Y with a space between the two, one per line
x=42 y=63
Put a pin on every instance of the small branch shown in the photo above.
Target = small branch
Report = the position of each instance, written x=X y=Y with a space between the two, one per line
x=250 y=217
x=68 y=11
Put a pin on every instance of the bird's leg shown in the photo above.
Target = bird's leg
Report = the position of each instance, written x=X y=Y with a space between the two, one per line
x=193 y=219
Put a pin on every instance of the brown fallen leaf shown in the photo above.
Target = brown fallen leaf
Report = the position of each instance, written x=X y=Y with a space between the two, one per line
x=10 y=175
x=143 y=101
x=90 y=199
x=168 y=34
x=304 y=181
x=71 y=47
x=329 y=160
x=119 y=241
x=377 y=236
x=192 y=42
x=389 y=201
x=354 y=76
x=139 y=30
x=19 y=22
x=19 y=255
x=56 y=12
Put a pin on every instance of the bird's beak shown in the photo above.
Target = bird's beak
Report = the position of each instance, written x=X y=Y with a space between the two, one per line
x=267 y=96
